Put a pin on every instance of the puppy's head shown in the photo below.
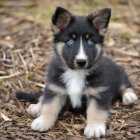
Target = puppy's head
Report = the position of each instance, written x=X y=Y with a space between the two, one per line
x=78 y=40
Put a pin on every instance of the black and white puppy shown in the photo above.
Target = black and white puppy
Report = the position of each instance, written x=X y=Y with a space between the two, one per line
x=78 y=75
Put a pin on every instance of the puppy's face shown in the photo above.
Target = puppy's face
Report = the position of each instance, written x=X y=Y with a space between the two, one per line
x=78 y=40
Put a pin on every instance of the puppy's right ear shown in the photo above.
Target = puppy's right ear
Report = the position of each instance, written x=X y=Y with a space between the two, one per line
x=61 y=18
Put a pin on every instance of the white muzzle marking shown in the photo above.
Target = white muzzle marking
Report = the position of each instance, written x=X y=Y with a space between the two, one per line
x=81 y=53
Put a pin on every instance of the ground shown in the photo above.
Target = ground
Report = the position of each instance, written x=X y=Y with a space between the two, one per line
x=25 y=50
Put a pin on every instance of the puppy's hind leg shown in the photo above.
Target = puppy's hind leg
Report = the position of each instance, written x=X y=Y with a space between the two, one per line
x=34 y=109
x=126 y=91
x=128 y=96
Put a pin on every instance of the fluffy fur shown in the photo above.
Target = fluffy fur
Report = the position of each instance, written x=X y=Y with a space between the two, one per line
x=79 y=77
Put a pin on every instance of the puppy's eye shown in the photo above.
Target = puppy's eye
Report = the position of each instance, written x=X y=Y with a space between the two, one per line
x=90 y=42
x=70 y=42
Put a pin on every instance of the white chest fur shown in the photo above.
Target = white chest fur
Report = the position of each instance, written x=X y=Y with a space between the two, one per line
x=75 y=83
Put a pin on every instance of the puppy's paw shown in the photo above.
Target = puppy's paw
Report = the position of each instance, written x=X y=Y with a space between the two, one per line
x=129 y=98
x=34 y=110
x=41 y=124
x=95 y=130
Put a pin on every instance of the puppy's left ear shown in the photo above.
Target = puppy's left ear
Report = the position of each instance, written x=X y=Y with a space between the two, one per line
x=100 y=19
x=61 y=18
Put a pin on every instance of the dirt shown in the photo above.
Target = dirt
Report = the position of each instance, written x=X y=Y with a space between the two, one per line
x=25 y=50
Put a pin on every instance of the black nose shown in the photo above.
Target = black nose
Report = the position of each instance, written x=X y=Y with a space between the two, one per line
x=81 y=62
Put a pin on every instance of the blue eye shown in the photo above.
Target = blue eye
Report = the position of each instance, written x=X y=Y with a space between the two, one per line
x=90 y=42
x=70 y=42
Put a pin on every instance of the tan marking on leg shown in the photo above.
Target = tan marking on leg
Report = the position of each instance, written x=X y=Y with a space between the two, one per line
x=95 y=114
x=96 y=118
x=128 y=90
x=57 y=89
x=49 y=114
x=95 y=91
x=122 y=88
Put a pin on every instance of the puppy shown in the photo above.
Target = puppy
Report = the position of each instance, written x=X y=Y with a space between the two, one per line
x=79 y=76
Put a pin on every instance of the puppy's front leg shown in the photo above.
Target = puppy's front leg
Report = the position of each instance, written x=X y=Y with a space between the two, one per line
x=49 y=113
x=96 y=118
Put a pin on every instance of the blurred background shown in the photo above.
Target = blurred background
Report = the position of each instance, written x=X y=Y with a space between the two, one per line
x=25 y=50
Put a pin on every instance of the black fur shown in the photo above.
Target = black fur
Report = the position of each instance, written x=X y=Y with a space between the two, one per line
x=23 y=96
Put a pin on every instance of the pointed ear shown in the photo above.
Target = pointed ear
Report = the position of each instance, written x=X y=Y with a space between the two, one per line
x=61 y=18
x=100 y=19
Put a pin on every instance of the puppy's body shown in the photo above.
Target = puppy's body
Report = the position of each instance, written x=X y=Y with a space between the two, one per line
x=90 y=83
x=79 y=76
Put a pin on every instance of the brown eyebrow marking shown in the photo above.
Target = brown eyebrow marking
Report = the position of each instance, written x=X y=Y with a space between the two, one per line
x=87 y=36
x=73 y=36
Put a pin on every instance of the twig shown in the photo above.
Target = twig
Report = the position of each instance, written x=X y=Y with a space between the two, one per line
x=10 y=76
x=65 y=127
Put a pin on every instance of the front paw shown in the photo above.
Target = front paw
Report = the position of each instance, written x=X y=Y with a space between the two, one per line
x=41 y=124
x=95 y=130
